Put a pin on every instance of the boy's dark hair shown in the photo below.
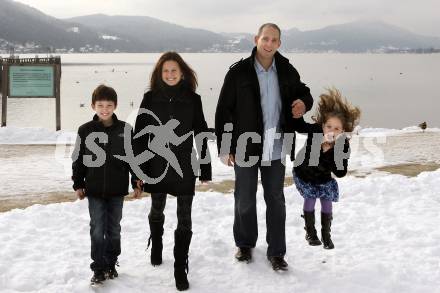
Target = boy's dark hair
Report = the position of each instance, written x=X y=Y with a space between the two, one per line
x=189 y=76
x=269 y=24
x=332 y=104
x=104 y=93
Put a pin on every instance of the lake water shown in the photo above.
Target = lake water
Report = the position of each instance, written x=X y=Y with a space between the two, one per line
x=393 y=91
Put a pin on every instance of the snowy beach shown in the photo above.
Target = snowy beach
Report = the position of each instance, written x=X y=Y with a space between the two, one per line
x=385 y=231
x=385 y=225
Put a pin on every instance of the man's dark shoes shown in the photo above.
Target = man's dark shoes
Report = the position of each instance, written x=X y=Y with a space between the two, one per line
x=244 y=254
x=112 y=272
x=278 y=263
x=97 y=278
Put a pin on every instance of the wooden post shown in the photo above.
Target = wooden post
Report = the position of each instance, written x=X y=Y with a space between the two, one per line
x=57 y=81
x=5 y=85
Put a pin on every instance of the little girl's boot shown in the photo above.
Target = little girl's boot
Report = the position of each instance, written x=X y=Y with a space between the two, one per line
x=326 y=223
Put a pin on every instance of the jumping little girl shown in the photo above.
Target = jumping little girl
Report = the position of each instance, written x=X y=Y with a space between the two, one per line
x=326 y=151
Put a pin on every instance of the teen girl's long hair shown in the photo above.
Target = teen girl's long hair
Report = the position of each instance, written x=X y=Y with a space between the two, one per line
x=189 y=76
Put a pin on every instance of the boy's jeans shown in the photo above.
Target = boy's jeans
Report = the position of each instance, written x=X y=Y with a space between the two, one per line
x=105 y=230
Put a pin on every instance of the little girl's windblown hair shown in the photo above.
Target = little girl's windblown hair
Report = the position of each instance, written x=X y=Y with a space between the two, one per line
x=332 y=104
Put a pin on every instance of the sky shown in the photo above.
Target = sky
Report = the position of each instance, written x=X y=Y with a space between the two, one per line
x=420 y=16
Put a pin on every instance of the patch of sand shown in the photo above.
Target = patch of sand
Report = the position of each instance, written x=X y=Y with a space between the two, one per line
x=410 y=169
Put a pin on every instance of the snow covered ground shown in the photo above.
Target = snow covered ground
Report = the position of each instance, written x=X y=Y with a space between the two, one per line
x=385 y=230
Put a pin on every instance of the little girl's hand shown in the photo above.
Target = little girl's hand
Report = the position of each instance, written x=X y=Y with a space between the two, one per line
x=326 y=146
x=329 y=137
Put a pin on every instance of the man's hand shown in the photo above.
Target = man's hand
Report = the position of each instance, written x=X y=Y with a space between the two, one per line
x=228 y=160
x=298 y=108
x=80 y=193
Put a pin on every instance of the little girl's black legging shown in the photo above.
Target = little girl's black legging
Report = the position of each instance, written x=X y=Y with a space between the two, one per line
x=184 y=204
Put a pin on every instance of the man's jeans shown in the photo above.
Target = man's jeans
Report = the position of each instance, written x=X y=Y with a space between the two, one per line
x=245 y=220
x=105 y=230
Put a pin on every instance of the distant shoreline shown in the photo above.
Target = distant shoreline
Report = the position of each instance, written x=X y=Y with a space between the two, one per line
x=43 y=54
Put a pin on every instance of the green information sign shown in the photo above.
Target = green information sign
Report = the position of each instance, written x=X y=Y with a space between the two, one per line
x=31 y=81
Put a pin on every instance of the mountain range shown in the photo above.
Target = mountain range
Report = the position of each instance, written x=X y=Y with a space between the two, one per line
x=28 y=30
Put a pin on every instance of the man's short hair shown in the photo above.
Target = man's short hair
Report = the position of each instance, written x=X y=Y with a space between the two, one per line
x=104 y=93
x=269 y=24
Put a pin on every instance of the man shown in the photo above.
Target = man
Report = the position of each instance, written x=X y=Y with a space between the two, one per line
x=257 y=100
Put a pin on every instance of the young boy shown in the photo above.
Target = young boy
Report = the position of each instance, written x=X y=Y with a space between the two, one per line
x=104 y=179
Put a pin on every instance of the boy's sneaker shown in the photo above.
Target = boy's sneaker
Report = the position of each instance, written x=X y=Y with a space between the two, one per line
x=98 y=278
x=244 y=254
